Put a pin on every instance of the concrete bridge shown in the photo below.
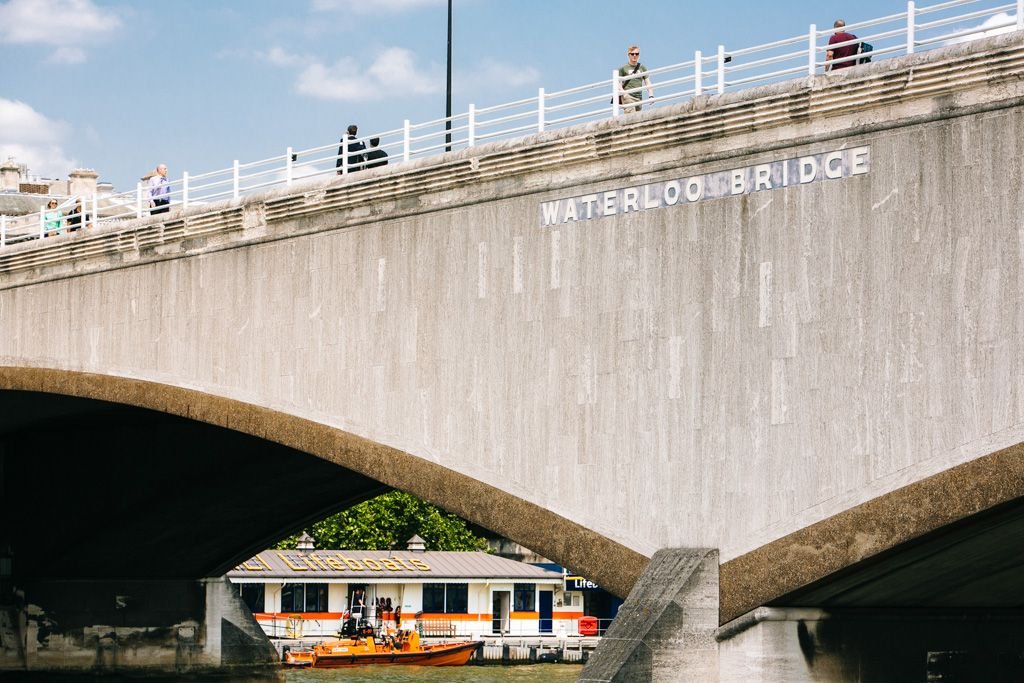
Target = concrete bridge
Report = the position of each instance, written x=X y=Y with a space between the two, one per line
x=772 y=339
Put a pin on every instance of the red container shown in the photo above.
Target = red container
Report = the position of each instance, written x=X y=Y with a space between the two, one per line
x=588 y=626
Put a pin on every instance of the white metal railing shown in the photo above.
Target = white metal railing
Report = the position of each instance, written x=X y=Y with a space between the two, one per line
x=723 y=70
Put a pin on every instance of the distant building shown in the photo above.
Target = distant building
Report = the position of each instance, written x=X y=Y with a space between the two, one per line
x=596 y=601
x=22 y=197
x=311 y=592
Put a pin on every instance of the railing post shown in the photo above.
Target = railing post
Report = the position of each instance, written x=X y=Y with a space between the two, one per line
x=1020 y=15
x=721 y=69
x=406 y=141
x=42 y=222
x=615 y=93
x=540 y=110
x=138 y=199
x=288 y=167
x=471 y=124
x=3 y=231
x=184 y=190
x=698 y=73
x=95 y=210
x=910 y=27
x=812 y=49
x=234 y=180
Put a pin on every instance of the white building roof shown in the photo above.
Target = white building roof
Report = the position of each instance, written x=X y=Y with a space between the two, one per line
x=385 y=566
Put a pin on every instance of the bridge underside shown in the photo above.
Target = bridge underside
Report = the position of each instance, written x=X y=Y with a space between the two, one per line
x=974 y=563
x=111 y=517
x=99 y=490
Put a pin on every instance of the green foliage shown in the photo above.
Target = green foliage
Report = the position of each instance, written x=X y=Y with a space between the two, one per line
x=387 y=522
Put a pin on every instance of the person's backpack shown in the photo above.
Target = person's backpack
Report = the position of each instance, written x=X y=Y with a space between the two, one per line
x=864 y=50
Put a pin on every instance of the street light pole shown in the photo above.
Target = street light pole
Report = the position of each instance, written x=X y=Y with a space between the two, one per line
x=448 y=100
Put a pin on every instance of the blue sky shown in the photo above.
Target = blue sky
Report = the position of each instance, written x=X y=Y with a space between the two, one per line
x=121 y=86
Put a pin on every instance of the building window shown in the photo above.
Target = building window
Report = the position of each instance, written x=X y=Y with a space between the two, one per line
x=446 y=598
x=304 y=597
x=433 y=598
x=252 y=595
x=316 y=597
x=525 y=597
x=457 y=598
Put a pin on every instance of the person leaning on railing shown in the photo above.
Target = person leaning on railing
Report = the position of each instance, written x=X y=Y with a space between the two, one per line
x=53 y=218
x=76 y=215
x=842 y=56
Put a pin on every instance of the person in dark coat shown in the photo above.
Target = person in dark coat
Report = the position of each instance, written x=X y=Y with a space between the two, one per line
x=375 y=156
x=74 y=218
x=353 y=148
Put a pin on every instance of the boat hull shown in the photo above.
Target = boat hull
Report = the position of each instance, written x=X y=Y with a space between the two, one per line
x=455 y=654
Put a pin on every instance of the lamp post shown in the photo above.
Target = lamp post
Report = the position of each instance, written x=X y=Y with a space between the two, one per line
x=448 y=98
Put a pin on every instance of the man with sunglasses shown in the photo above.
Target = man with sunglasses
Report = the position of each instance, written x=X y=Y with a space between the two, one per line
x=632 y=79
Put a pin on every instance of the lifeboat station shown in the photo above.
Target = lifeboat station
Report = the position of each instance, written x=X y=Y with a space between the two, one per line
x=309 y=593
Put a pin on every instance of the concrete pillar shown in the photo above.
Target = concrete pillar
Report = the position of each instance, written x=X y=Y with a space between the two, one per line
x=665 y=631
x=133 y=627
x=805 y=645
x=10 y=176
x=82 y=182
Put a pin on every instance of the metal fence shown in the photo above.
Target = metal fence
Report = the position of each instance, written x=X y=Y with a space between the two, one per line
x=725 y=70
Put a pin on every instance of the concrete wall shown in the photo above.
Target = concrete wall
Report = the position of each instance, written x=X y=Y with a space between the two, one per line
x=881 y=645
x=716 y=374
x=113 y=627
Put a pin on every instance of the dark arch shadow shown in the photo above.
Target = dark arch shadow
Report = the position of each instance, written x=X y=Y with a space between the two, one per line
x=951 y=539
x=224 y=523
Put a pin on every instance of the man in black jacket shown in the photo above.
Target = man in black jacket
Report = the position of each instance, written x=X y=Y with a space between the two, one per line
x=353 y=148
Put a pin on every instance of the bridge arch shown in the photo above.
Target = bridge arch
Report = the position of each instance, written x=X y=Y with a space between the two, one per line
x=948 y=540
x=378 y=468
x=814 y=561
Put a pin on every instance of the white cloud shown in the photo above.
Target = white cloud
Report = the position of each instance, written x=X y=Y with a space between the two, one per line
x=67 y=55
x=393 y=73
x=279 y=57
x=33 y=139
x=993 y=26
x=57 y=23
x=490 y=74
x=373 y=6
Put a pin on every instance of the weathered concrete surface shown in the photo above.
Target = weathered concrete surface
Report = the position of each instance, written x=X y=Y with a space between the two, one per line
x=724 y=374
x=115 y=627
x=665 y=631
x=868 y=646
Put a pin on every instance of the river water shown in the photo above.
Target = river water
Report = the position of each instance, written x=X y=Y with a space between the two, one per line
x=522 y=673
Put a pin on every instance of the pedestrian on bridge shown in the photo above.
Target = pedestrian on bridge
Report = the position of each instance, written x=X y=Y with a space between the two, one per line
x=842 y=56
x=77 y=218
x=631 y=81
x=54 y=218
x=159 y=191
x=353 y=148
x=375 y=156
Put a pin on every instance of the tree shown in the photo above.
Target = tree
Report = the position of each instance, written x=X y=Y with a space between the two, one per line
x=387 y=522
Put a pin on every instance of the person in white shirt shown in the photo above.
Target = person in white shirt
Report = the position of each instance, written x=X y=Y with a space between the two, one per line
x=159 y=191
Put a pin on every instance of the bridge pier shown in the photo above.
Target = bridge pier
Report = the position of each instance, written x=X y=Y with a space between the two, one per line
x=158 y=628
x=799 y=644
x=667 y=630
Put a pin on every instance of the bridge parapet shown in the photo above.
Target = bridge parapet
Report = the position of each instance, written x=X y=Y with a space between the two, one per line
x=706 y=129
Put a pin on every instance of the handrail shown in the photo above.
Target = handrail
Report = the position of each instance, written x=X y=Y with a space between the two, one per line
x=713 y=72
